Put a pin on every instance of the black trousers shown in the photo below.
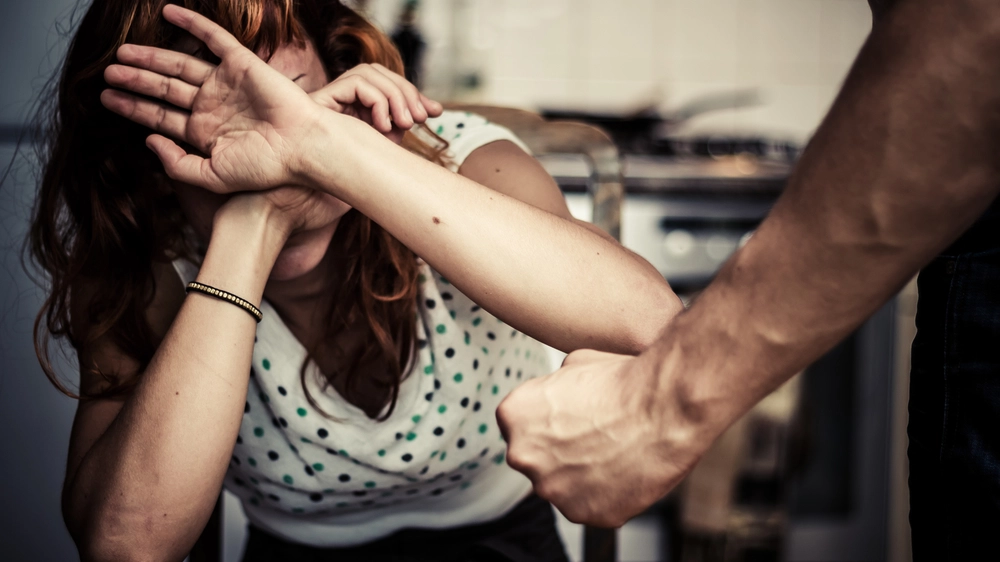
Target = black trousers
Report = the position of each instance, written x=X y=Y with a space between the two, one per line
x=526 y=534
x=954 y=427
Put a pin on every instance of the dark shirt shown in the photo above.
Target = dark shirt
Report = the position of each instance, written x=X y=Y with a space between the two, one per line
x=879 y=7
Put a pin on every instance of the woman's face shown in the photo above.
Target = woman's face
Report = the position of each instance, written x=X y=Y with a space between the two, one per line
x=305 y=248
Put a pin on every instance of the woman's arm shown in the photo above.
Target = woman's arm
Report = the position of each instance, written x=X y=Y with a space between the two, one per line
x=144 y=473
x=548 y=276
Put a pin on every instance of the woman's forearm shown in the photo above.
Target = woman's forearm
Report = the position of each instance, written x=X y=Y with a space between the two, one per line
x=149 y=483
x=547 y=276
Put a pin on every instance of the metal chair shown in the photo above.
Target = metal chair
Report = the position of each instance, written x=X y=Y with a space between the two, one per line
x=605 y=186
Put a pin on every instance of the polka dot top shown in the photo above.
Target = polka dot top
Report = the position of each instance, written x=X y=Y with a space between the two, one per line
x=436 y=462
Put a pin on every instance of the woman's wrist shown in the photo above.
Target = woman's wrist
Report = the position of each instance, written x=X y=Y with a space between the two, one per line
x=331 y=151
x=247 y=236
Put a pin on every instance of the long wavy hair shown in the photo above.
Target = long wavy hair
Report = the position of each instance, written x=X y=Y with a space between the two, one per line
x=105 y=212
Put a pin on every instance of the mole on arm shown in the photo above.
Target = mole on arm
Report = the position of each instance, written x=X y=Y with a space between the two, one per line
x=437 y=220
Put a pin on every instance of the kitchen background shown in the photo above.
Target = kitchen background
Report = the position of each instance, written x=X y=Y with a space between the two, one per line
x=767 y=69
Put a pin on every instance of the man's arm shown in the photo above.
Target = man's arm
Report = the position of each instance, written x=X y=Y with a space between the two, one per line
x=906 y=160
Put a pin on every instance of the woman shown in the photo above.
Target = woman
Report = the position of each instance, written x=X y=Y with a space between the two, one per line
x=356 y=420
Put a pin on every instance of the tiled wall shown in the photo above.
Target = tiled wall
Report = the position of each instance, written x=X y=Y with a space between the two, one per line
x=622 y=54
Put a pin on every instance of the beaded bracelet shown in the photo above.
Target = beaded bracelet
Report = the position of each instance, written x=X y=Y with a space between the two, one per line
x=228 y=297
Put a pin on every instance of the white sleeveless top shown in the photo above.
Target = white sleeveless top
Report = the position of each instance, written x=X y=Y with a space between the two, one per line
x=436 y=462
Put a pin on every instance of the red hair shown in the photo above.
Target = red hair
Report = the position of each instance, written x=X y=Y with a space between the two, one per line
x=104 y=213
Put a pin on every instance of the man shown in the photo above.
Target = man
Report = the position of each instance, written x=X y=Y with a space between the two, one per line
x=906 y=161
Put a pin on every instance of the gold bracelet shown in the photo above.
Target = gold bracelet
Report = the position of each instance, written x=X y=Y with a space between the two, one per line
x=228 y=297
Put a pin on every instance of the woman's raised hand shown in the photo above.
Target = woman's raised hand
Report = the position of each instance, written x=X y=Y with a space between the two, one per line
x=249 y=119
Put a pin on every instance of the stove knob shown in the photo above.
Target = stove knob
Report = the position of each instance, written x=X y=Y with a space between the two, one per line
x=678 y=243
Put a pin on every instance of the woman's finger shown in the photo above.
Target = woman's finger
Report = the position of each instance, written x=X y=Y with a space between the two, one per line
x=169 y=63
x=434 y=108
x=214 y=36
x=398 y=105
x=158 y=117
x=137 y=80
x=410 y=92
x=181 y=166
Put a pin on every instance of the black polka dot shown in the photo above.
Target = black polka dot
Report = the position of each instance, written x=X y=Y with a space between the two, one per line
x=430 y=303
x=239 y=440
x=322 y=432
x=429 y=396
x=272 y=455
x=513 y=333
x=421 y=343
x=456 y=478
x=484 y=453
x=437 y=384
x=475 y=364
x=491 y=335
x=507 y=372
x=476 y=406
x=360 y=493
x=400 y=435
x=438 y=431
x=316 y=497
x=461 y=443
x=460 y=126
x=239 y=482
x=424 y=470
x=475 y=308
x=407 y=457
x=366 y=503
x=283 y=422
x=518 y=374
x=344 y=478
x=282 y=391
x=412 y=491
x=446 y=296
x=465 y=402
x=274 y=421
x=246 y=408
x=309 y=470
x=449 y=353
x=437 y=492
x=236 y=460
x=273 y=498
x=332 y=452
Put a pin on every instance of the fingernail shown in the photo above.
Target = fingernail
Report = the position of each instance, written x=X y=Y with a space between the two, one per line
x=409 y=116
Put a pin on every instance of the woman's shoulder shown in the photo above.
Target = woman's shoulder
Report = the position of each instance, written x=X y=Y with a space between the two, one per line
x=465 y=132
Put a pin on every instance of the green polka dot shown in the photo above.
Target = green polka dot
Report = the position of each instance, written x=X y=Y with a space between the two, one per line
x=421 y=278
x=343 y=453
x=442 y=409
x=318 y=467
x=527 y=354
x=496 y=389
x=252 y=461
x=258 y=431
x=468 y=339
x=294 y=450
x=264 y=398
x=416 y=418
x=502 y=352
x=429 y=370
x=254 y=480
x=483 y=428
x=440 y=129
x=266 y=364
x=473 y=466
x=298 y=510
x=301 y=412
x=381 y=452
x=479 y=387
x=458 y=377
x=445 y=281
x=498 y=459
x=487 y=352
x=411 y=436
x=304 y=440
x=453 y=314
x=287 y=479
x=342 y=504
x=476 y=321
x=443 y=455
x=440 y=328
x=465 y=485
x=370 y=484
x=329 y=491
x=434 y=454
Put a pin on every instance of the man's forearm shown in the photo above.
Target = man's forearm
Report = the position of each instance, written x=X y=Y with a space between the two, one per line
x=905 y=162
